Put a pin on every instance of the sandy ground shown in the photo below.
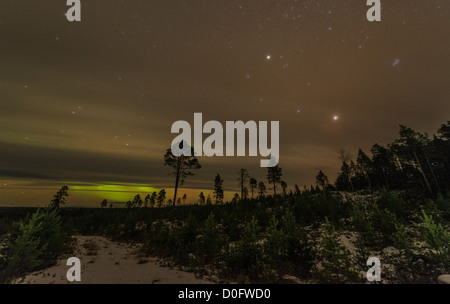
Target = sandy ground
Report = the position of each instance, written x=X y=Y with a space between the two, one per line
x=107 y=262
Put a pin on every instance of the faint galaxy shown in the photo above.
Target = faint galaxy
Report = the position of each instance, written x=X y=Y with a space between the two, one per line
x=93 y=102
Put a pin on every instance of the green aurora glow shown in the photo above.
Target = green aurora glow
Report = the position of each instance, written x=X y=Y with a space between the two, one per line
x=114 y=192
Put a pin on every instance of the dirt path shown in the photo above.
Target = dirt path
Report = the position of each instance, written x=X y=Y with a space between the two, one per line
x=107 y=262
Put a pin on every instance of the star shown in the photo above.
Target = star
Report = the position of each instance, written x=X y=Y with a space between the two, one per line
x=268 y=57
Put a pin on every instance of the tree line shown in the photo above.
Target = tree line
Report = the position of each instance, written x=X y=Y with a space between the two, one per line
x=183 y=167
x=413 y=161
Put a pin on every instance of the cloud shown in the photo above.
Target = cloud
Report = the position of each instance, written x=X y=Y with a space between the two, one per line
x=23 y=161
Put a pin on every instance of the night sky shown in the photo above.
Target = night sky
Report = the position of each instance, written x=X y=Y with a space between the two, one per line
x=90 y=104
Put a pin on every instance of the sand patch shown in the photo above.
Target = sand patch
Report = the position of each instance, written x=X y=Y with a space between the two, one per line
x=107 y=262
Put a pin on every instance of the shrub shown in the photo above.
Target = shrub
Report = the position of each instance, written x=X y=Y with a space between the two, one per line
x=300 y=250
x=276 y=246
x=400 y=238
x=53 y=238
x=362 y=254
x=157 y=236
x=362 y=223
x=336 y=260
x=331 y=206
x=377 y=228
x=211 y=242
x=393 y=202
x=385 y=223
x=183 y=241
x=443 y=204
x=34 y=243
x=24 y=252
x=437 y=239
x=246 y=257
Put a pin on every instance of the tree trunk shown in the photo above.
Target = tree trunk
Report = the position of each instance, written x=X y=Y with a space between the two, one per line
x=177 y=180
x=423 y=173
x=274 y=184
x=416 y=174
x=242 y=184
x=385 y=179
x=368 y=180
x=275 y=187
x=432 y=173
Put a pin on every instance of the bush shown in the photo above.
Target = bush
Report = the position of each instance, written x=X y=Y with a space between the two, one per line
x=431 y=208
x=437 y=239
x=385 y=223
x=361 y=254
x=211 y=241
x=328 y=205
x=377 y=228
x=336 y=260
x=157 y=238
x=34 y=243
x=23 y=252
x=300 y=250
x=53 y=239
x=362 y=223
x=393 y=202
x=276 y=246
x=183 y=241
x=246 y=257
x=443 y=204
